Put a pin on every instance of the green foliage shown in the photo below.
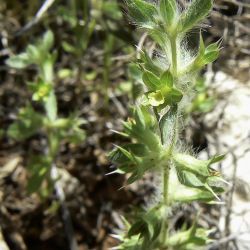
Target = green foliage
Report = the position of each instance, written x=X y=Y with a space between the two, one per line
x=198 y=173
x=196 y=12
x=27 y=124
x=39 y=168
x=143 y=155
x=154 y=126
x=29 y=121
x=169 y=12
x=206 y=55
x=190 y=239
x=203 y=101
x=143 y=13
x=37 y=54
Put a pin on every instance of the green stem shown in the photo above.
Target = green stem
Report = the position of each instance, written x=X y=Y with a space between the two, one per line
x=166 y=169
x=173 y=41
x=166 y=172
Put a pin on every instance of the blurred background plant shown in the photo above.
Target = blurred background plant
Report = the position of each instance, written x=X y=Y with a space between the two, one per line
x=30 y=122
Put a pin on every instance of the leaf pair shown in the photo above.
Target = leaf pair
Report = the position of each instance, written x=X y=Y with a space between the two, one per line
x=34 y=54
x=146 y=15
x=206 y=55
x=198 y=174
x=135 y=159
x=175 y=23
x=190 y=239
x=145 y=153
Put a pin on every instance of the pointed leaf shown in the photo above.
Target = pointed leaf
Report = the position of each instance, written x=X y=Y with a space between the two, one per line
x=139 y=117
x=189 y=179
x=190 y=163
x=142 y=13
x=146 y=8
x=168 y=10
x=20 y=61
x=151 y=80
x=167 y=79
x=197 y=10
x=48 y=41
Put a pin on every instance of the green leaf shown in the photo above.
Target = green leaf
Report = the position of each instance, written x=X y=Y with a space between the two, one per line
x=117 y=156
x=147 y=225
x=137 y=149
x=175 y=96
x=196 y=12
x=142 y=12
x=210 y=57
x=20 y=61
x=216 y=182
x=27 y=124
x=47 y=68
x=48 y=41
x=68 y=47
x=35 y=55
x=151 y=80
x=193 y=238
x=112 y=9
x=168 y=10
x=39 y=167
x=125 y=168
x=196 y=173
x=149 y=120
x=189 y=194
x=65 y=73
x=206 y=55
x=146 y=8
x=137 y=228
x=139 y=118
x=149 y=64
x=217 y=158
x=189 y=179
x=121 y=155
x=190 y=163
x=213 y=47
x=167 y=79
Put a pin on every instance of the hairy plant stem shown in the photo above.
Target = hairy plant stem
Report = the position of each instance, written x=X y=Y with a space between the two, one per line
x=173 y=42
x=166 y=169
x=166 y=177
